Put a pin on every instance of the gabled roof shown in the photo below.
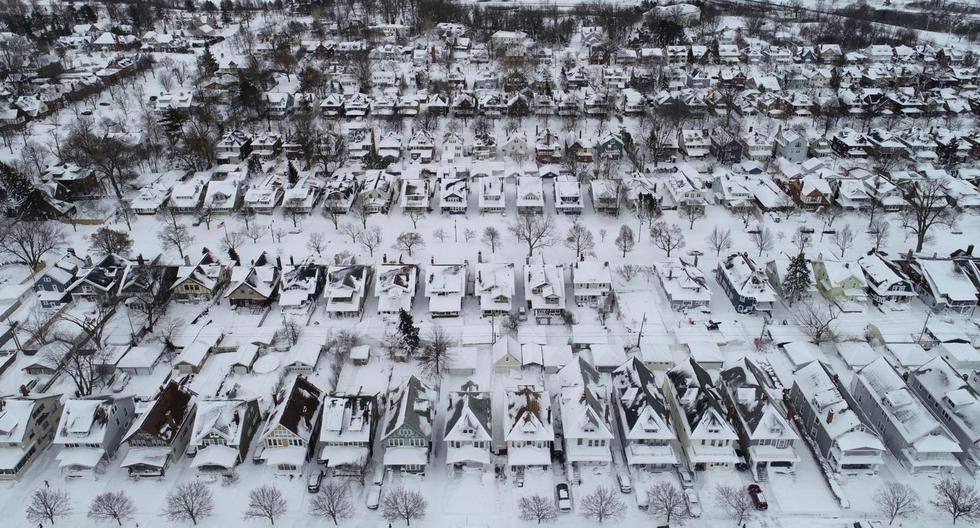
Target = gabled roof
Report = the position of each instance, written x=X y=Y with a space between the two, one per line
x=410 y=406
x=298 y=412
x=642 y=402
x=162 y=420
x=470 y=412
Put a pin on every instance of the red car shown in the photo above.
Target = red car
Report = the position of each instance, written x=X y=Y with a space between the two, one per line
x=758 y=499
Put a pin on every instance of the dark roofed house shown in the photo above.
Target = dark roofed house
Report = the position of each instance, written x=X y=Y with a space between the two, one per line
x=288 y=438
x=700 y=418
x=645 y=427
x=408 y=429
x=161 y=432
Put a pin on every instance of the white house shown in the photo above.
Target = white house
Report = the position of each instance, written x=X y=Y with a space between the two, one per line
x=591 y=282
x=394 y=285
x=288 y=436
x=684 y=284
x=494 y=286
x=585 y=416
x=90 y=431
x=544 y=290
x=491 y=194
x=453 y=193
x=527 y=428
x=468 y=429
x=347 y=433
x=699 y=415
x=530 y=195
x=346 y=290
x=407 y=432
x=568 y=195
x=445 y=286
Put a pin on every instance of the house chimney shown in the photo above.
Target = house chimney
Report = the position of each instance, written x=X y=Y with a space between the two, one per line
x=695 y=260
x=830 y=416
x=969 y=250
x=291 y=261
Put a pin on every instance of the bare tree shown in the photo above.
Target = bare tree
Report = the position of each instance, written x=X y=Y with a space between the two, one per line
x=107 y=241
x=350 y=229
x=174 y=234
x=192 y=502
x=763 y=239
x=625 y=241
x=491 y=237
x=927 y=207
x=402 y=504
x=537 y=508
x=333 y=501
x=735 y=501
x=579 y=239
x=28 y=242
x=817 y=320
x=408 y=241
x=415 y=215
x=440 y=234
x=316 y=243
x=265 y=502
x=801 y=239
x=112 y=505
x=691 y=212
x=719 y=240
x=370 y=238
x=628 y=271
x=897 y=500
x=435 y=354
x=746 y=214
x=48 y=504
x=957 y=498
x=843 y=239
x=603 y=504
x=879 y=231
x=254 y=231
x=667 y=237
x=667 y=502
x=469 y=234
x=537 y=231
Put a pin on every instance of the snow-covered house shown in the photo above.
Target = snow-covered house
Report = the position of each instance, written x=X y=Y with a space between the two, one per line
x=943 y=284
x=527 y=428
x=684 y=284
x=234 y=147
x=907 y=427
x=346 y=290
x=161 y=431
x=745 y=284
x=415 y=195
x=421 y=147
x=886 y=281
x=377 y=192
x=394 y=285
x=530 y=195
x=445 y=286
x=264 y=197
x=340 y=191
x=585 y=416
x=492 y=198
x=605 y=196
x=826 y=413
x=150 y=199
x=408 y=427
x=952 y=401
x=100 y=282
x=90 y=431
x=186 y=197
x=27 y=427
x=453 y=194
x=254 y=286
x=288 y=438
x=591 y=282
x=544 y=288
x=764 y=432
x=223 y=196
x=645 y=429
x=201 y=281
x=568 y=195
x=494 y=286
x=469 y=428
x=223 y=431
x=707 y=438
x=347 y=433
x=791 y=145
x=300 y=286
x=840 y=280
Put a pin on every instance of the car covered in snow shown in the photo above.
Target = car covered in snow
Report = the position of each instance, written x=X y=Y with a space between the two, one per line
x=758 y=498
x=564 y=497
x=693 y=502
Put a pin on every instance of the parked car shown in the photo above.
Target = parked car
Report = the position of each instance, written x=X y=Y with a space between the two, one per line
x=686 y=478
x=693 y=502
x=374 y=496
x=758 y=499
x=564 y=497
x=641 y=501
x=258 y=457
x=120 y=383
x=625 y=484
x=313 y=486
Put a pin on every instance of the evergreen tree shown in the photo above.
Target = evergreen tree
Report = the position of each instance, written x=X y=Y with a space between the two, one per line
x=207 y=64
x=409 y=332
x=798 y=278
x=291 y=174
x=15 y=187
x=173 y=123
x=233 y=255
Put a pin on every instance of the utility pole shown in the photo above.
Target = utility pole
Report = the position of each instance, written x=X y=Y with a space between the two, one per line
x=642 y=324
x=923 y=332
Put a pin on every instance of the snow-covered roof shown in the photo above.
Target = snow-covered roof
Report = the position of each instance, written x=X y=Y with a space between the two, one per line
x=845 y=426
x=528 y=415
x=221 y=420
